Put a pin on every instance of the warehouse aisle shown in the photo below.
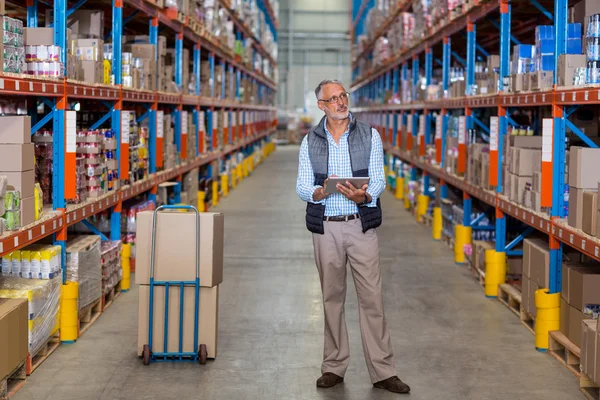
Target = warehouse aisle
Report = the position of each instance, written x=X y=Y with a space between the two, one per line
x=450 y=341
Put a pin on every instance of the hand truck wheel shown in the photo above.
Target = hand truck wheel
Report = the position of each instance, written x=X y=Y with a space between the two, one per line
x=146 y=354
x=202 y=354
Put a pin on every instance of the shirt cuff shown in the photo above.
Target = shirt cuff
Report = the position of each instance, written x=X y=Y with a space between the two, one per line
x=312 y=194
x=373 y=202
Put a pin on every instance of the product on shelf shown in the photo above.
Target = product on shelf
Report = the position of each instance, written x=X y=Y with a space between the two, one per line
x=37 y=261
x=17 y=168
x=111 y=264
x=13 y=49
x=84 y=267
x=43 y=297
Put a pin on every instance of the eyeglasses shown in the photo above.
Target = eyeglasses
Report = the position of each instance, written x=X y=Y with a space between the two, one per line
x=344 y=97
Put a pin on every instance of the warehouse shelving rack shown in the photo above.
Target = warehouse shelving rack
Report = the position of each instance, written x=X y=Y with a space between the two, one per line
x=59 y=95
x=393 y=119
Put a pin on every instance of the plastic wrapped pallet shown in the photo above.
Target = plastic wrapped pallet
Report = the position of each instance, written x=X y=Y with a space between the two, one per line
x=84 y=266
x=111 y=264
x=43 y=297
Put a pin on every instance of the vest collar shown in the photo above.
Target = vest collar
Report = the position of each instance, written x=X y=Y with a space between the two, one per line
x=320 y=129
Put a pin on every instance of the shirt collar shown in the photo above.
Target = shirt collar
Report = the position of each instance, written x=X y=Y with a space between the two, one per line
x=350 y=117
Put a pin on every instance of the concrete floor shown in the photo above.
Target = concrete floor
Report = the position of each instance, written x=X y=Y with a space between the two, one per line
x=450 y=341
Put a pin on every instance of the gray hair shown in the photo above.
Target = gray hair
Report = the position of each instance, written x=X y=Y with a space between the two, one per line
x=323 y=83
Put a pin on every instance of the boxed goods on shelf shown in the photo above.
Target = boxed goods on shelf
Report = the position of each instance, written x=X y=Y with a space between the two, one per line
x=84 y=267
x=589 y=353
x=43 y=298
x=579 y=297
x=583 y=162
x=36 y=261
x=111 y=264
x=86 y=23
x=13 y=45
x=536 y=259
x=13 y=325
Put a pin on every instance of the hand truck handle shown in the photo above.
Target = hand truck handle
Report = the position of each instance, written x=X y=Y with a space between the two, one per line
x=176 y=207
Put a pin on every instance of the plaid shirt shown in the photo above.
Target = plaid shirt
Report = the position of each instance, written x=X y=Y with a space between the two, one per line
x=339 y=164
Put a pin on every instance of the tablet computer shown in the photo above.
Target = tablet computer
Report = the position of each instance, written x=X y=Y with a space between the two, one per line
x=358 y=182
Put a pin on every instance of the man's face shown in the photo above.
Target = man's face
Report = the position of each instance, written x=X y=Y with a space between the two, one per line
x=337 y=110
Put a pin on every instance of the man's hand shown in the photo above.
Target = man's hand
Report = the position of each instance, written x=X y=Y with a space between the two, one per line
x=358 y=196
x=319 y=194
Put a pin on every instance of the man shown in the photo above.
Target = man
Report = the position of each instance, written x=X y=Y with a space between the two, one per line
x=343 y=226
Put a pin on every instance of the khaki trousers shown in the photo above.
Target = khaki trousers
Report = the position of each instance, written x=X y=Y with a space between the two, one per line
x=345 y=242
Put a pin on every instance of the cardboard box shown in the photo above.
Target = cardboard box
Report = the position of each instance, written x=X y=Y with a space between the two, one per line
x=525 y=283
x=90 y=71
x=515 y=265
x=87 y=23
x=16 y=157
x=583 y=286
x=143 y=51
x=564 y=317
x=536 y=201
x=588 y=346
x=590 y=208
x=541 y=80
x=27 y=211
x=538 y=259
x=14 y=334
x=564 y=294
x=38 y=36
x=576 y=208
x=533 y=287
x=584 y=163
x=519 y=188
x=24 y=182
x=15 y=130
x=518 y=82
x=597 y=223
x=584 y=9
x=525 y=161
x=597 y=369
x=175 y=247
x=567 y=64
x=208 y=317
x=575 y=318
x=525 y=142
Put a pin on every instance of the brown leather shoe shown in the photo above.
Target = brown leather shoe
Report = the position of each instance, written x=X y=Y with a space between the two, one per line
x=329 y=379
x=393 y=384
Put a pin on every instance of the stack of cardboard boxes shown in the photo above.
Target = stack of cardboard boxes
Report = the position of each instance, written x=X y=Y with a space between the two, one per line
x=478 y=165
x=590 y=349
x=14 y=320
x=176 y=260
x=580 y=298
x=522 y=157
x=87 y=30
x=536 y=259
x=583 y=164
x=144 y=67
x=189 y=194
x=17 y=162
x=170 y=157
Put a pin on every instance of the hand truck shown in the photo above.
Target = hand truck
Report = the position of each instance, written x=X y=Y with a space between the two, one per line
x=148 y=355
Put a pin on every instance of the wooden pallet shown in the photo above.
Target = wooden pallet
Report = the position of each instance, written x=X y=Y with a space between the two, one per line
x=510 y=297
x=528 y=320
x=34 y=361
x=111 y=296
x=13 y=382
x=565 y=351
x=88 y=316
x=588 y=387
